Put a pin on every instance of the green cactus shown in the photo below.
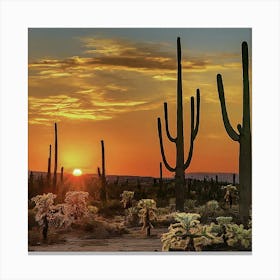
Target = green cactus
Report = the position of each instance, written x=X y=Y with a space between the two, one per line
x=181 y=164
x=49 y=165
x=55 y=158
x=102 y=175
x=243 y=137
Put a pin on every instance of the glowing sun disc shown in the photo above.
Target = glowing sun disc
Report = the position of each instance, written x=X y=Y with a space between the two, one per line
x=77 y=172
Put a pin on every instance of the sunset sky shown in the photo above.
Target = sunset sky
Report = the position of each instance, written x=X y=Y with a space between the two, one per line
x=110 y=84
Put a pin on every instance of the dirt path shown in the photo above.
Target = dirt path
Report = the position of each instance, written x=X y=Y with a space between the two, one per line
x=134 y=241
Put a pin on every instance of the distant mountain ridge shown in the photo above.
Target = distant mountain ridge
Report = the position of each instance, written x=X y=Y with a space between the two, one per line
x=222 y=176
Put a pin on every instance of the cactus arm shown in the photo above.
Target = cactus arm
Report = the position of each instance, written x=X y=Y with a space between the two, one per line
x=172 y=139
x=246 y=123
x=188 y=161
x=231 y=132
x=162 y=149
x=197 y=113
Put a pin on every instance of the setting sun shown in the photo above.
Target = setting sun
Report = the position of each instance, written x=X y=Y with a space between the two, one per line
x=77 y=172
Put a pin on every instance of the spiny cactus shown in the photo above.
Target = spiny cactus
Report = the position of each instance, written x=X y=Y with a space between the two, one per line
x=243 y=136
x=181 y=164
x=102 y=175
x=55 y=158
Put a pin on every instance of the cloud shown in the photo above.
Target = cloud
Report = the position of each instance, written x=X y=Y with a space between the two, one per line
x=111 y=77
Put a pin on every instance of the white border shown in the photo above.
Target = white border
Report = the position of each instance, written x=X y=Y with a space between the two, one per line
x=17 y=16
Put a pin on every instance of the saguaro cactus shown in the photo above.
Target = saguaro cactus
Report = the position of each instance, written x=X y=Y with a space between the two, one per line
x=61 y=174
x=55 y=158
x=181 y=164
x=243 y=136
x=49 y=165
x=102 y=175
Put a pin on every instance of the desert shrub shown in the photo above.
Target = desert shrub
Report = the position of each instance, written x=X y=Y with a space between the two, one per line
x=99 y=228
x=210 y=211
x=93 y=209
x=187 y=234
x=189 y=204
x=224 y=220
x=31 y=219
x=131 y=216
x=111 y=208
x=126 y=200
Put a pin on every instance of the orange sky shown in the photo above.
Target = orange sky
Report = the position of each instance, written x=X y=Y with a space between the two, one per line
x=111 y=85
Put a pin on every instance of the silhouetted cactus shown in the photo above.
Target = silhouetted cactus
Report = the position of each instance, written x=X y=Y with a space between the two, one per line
x=181 y=164
x=61 y=175
x=102 y=175
x=217 y=181
x=49 y=166
x=243 y=137
x=160 y=191
x=55 y=158
x=233 y=179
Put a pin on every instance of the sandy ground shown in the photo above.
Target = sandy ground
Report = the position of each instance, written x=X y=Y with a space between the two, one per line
x=134 y=241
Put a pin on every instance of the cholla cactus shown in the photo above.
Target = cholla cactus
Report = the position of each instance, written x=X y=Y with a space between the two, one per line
x=126 y=200
x=76 y=205
x=224 y=220
x=43 y=205
x=147 y=213
x=229 y=188
x=187 y=234
x=238 y=236
x=212 y=205
x=60 y=215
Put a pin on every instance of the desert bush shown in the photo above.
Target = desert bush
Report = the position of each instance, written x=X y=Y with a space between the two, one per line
x=111 y=208
x=93 y=209
x=99 y=228
x=131 y=216
x=31 y=219
x=189 y=204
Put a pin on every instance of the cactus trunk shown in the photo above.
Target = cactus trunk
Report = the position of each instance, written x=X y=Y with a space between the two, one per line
x=102 y=175
x=243 y=137
x=181 y=164
x=49 y=166
x=61 y=175
x=55 y=159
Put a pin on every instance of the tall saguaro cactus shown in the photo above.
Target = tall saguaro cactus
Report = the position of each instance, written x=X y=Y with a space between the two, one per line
x=181 y=164
x=61 y=175
x=102 y=175
x=49 y=165
x=55 y=158
x=243 y=136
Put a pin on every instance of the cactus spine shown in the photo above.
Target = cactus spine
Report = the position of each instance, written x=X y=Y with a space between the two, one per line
x=102 y=175
x=49 y=165
x=243 y=136
x=55 y=158
x=181 y=164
